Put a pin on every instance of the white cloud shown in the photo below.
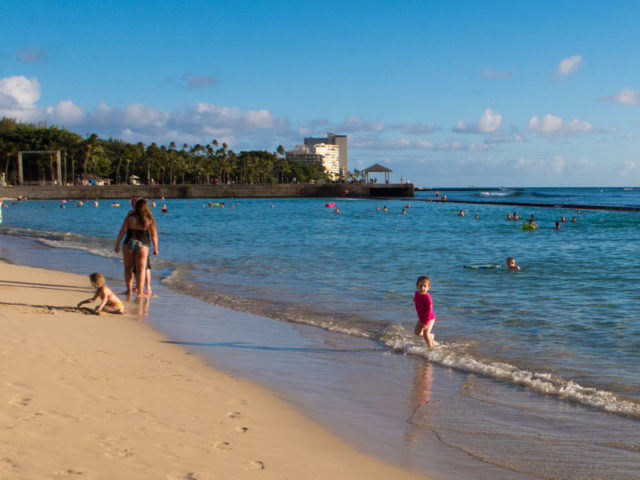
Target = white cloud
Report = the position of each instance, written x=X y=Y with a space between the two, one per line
x=624 y=97
x=68 y=114
x=426 y=144
x=138 y=116
x=554 y=166
x=578 y=126
x=553 y=125
x=570 y=65
x=24 y=91
x=489 y=122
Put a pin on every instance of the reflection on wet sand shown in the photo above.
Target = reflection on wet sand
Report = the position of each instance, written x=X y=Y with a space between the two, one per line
x=420 y=395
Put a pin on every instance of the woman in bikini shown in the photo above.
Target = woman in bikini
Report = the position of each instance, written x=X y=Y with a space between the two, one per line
x=140 y=229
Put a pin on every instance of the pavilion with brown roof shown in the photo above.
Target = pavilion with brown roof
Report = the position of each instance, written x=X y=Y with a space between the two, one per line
x=377 y=168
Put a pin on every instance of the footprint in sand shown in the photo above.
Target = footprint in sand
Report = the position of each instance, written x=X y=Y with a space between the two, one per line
x=233 y=415
x=7 y=464
x=20 y=401
x=69 y=471
x=257 y=465
x=223 y=446
x=242 y=429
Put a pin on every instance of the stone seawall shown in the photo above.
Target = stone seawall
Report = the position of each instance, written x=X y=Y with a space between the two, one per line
x=53 y=192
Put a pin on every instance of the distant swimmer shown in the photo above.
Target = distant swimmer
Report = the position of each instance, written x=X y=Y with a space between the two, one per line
x=477 y=217
x=424 y=309
x=385 y=209
x=461 y=213
x=404 y=212
x=511 y=264
x=563 y=219
x=574 y=219
x=164 y=208
x=337 y=210
x=557 y=227
x=508 y=216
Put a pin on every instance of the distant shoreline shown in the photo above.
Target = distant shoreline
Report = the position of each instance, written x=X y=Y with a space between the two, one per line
x=288 y=190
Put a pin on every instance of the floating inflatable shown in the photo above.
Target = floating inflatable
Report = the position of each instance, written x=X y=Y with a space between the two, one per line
x=483 y=266
x=528 y=226
x=330 y=205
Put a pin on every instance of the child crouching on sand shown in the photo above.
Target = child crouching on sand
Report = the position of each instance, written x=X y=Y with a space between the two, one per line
x=110 y=303
x=424 y=309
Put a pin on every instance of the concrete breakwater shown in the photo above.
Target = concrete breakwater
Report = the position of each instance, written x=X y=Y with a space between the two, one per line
x=303 y=190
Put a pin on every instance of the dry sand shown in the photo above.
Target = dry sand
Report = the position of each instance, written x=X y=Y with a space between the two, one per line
x=105 y=397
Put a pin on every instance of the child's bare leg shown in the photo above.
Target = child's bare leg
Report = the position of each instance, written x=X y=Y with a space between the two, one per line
x=428 y=336
x=147 y=275
x=113 y=308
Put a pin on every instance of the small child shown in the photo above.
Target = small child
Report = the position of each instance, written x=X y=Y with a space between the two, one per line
x=424 y=309
x=110 y=303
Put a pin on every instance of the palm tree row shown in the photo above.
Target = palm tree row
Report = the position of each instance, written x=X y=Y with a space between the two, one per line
x=93 y=157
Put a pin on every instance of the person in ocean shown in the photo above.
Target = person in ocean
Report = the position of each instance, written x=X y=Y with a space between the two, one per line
x=140 y=229
x=109 y=301
x=424 y=309
x=511 y=264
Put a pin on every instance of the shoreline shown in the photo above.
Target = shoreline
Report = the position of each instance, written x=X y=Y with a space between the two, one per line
x=285 y=190
x=109 y=397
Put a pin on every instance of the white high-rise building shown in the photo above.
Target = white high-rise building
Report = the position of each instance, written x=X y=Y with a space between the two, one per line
x=328 y=155
x=333 y=139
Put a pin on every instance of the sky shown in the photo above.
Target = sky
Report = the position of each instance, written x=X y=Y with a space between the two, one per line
x=445 y=93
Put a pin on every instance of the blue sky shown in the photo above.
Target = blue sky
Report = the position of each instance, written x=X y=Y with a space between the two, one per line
x=454 y=93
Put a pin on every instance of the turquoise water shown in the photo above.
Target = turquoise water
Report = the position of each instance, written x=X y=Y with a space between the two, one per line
x=548 y=354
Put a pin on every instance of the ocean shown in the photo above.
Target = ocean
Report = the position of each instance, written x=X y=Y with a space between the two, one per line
x=535 y=374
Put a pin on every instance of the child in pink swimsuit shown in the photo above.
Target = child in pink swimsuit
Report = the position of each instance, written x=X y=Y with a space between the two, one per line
x=109 y=302
x=424 y=309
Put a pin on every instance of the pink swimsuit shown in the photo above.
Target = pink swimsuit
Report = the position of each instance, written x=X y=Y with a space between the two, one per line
x=424 y=308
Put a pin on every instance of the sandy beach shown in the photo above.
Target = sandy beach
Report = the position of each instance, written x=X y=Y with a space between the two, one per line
x=105 y=396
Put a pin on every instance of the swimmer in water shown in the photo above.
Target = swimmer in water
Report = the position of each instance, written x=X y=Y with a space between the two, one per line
x=511 y=264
